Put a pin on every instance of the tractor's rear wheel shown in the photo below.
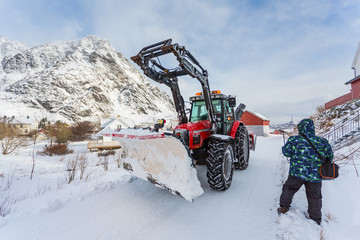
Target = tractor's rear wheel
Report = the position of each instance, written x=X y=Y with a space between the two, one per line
x=242 y=148
x=220 y=164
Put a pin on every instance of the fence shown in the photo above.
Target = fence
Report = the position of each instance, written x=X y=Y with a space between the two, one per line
x=342 y=130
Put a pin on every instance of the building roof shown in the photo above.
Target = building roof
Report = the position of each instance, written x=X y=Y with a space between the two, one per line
x=258 y=115
x=106 y=122
x=352 y=80
x=21 y=120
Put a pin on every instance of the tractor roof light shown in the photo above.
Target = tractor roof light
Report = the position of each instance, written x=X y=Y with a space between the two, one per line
x=216 y=92
x=198 y=94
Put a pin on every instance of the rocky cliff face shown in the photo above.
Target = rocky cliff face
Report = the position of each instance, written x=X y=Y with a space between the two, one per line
x=76 y=80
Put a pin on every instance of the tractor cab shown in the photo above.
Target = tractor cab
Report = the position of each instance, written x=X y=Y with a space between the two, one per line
x=223 y=108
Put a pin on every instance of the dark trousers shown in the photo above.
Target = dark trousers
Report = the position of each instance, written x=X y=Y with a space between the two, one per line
x=313 y=195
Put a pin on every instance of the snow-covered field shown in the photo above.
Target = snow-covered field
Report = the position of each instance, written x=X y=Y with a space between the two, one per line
x=113 y=205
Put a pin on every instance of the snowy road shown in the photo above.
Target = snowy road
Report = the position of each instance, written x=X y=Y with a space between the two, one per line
x=129 y=208
x=114 y=205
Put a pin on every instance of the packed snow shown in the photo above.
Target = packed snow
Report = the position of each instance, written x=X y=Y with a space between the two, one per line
x=165 y=162
x=108 y=203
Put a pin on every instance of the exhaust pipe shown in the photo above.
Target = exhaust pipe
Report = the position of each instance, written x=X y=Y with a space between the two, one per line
x=239 y=111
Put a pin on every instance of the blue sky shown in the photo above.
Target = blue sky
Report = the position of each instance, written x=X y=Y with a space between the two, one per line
x=280 y=58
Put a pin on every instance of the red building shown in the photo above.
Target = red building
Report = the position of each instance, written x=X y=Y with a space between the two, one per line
x=355 y=84
x=353 y=94
x=256 y=123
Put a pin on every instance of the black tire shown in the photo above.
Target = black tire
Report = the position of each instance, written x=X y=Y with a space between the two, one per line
x=242 y=148
x=220 y=164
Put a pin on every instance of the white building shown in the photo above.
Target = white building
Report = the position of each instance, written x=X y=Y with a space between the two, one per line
x=356 y=62
x=26 y=125
x=256 y=123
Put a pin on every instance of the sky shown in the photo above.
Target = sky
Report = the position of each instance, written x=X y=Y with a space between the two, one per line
x=282 y=58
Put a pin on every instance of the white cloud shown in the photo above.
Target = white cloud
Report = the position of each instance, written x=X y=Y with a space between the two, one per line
x=273 y=52
x=268 y=53
x=37 y=22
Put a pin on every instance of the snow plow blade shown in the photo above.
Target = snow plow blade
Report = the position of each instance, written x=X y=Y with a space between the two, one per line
x=161 y=160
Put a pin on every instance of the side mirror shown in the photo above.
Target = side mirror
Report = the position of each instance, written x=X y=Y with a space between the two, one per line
x=232 y=101
x=239 y=111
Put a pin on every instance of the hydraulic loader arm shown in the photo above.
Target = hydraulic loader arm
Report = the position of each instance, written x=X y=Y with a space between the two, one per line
x=148 y=61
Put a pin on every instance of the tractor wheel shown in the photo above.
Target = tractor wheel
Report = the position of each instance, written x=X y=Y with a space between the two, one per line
x=220 y=164
x=242 y=148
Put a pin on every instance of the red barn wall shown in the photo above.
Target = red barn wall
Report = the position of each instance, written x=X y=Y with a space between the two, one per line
x=250 y=119
x=355 y=89
x=338 y=101
x=355 y=93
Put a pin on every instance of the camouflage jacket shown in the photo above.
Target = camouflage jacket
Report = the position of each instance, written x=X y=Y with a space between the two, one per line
x=304 y=161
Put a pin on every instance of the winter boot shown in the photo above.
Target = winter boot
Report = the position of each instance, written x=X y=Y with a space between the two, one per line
x=318 y=221
x=282 y=210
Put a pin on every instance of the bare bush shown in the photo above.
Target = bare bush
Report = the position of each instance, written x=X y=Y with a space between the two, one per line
x=104 y=162
x=34 y=136
x=320 y=109
x=42 y=189
x=6 y=184
x=83 y=163
x=322 y=235
x=71 y=168
x=88 y=174
x=118 y=158
x=9 y=137
x=106 y=153
x=6 y=203
x=349 y=158
x=50 y=133
x=60 y=183
x=81 y=130
x=57 y=149
x=325 y=124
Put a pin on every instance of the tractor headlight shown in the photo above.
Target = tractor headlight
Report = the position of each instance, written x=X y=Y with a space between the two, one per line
x=196 y=139
x=182 y=134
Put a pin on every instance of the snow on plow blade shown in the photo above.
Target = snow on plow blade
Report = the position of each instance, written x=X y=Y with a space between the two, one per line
x=161 y=160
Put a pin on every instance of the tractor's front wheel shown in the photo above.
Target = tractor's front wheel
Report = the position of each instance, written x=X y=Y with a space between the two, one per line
x=220 y=164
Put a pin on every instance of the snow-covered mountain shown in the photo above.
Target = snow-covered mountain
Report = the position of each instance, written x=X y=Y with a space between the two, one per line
x=76 y=80
x=284 y=126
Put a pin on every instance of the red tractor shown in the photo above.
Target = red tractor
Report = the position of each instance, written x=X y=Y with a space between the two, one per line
x=213 y=133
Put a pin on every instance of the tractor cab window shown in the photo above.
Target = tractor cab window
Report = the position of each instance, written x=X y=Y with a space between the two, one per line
x=199 y=112
x=228 y=110
x=228 y=117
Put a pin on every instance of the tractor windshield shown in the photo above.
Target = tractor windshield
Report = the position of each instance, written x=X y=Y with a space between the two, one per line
x=199 y=112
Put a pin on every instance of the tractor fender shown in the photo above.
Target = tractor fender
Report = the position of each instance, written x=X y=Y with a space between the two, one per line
x=234 y=128
x=224 y=138
x=252 y=135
